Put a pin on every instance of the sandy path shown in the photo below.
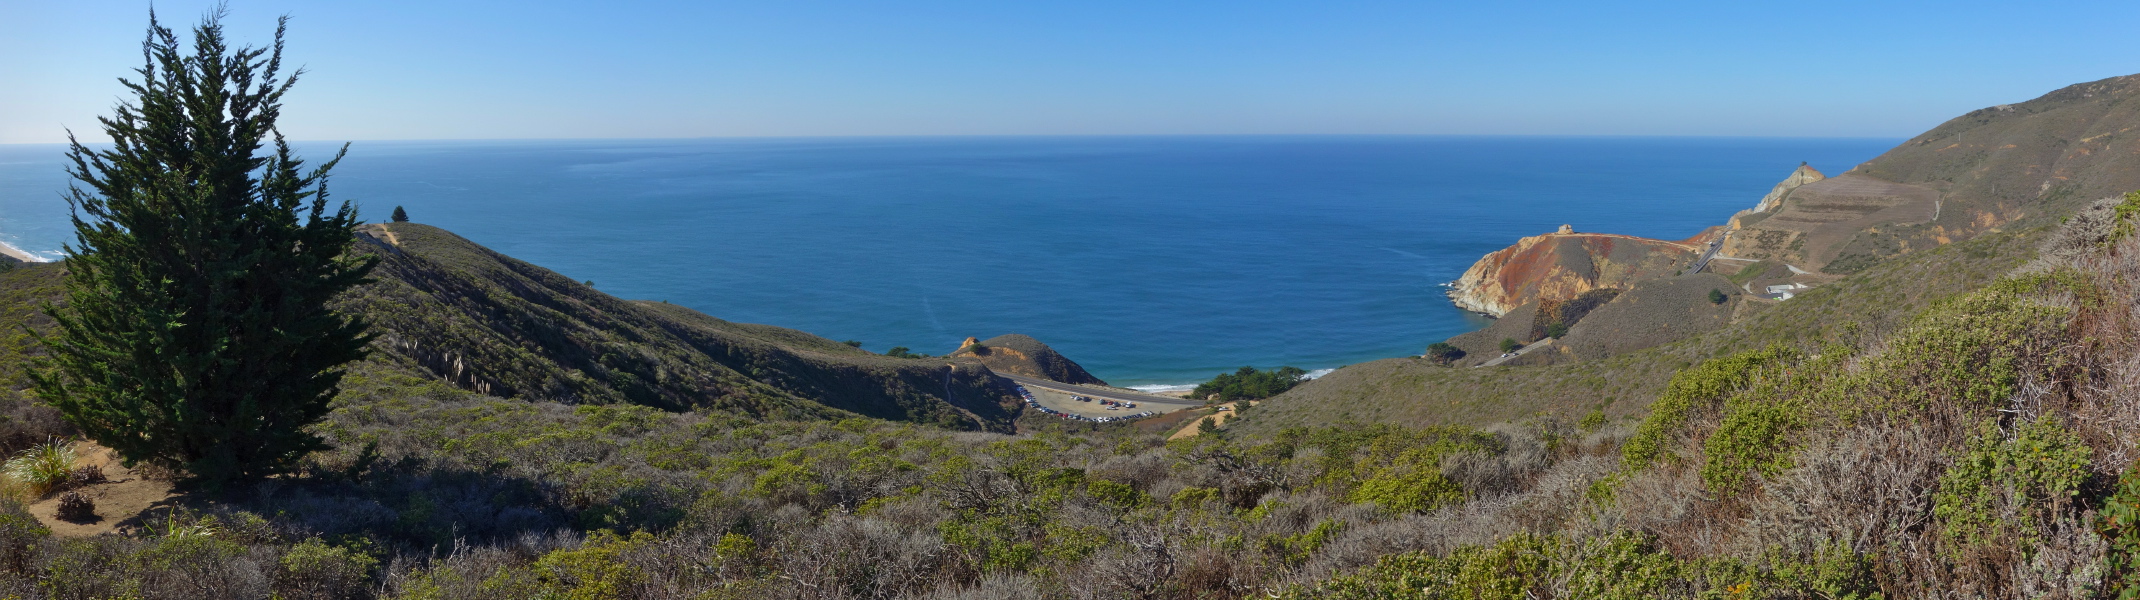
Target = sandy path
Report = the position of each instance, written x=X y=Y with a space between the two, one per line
x=1219 y=417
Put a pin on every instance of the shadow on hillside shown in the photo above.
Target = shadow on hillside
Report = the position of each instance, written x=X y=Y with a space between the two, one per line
x=406 y=504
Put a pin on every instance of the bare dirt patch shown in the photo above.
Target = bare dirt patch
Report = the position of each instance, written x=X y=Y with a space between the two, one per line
x=120 y=499
x=1219 y=414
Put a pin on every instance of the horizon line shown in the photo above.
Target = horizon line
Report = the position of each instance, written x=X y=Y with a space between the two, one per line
x=1065 y=135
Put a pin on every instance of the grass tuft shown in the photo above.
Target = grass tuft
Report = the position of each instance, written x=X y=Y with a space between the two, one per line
x=43 y=468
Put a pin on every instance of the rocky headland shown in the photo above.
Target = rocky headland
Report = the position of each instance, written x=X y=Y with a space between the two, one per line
x=1562 y=265
x=1022 y=355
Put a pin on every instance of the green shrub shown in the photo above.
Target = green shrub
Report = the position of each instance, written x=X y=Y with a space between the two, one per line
x=20 y=535
x=1622 y=565
x=1556 y=330
x=1752 y=439
x=2119 y=522
x=595 y=570
x=1116 y=494
x=1403 y=473
x=1699 y=388
x=316 y=570
x=2040 y=468
x=2125 y=212
x=1194 y=497
x=1294 y=549
x=1510 y=345
x=1970 y=352
x=1249 y=384
x=1717 y=297
x=1444 y=352
x=1408 y=490
x=1591 y=421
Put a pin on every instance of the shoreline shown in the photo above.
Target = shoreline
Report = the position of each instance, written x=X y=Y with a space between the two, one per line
x=16 y=253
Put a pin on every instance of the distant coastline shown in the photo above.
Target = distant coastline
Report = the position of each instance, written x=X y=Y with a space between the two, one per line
x=18 y=254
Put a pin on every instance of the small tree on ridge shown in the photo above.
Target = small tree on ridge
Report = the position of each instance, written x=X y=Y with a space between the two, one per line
x=197 y=334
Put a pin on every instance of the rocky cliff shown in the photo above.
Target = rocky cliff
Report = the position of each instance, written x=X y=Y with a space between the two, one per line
x=1022 y=355
x=1561 y=266
x=1803 y=175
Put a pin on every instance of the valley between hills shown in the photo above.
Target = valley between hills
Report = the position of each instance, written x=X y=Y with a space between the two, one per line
x=1945 y=408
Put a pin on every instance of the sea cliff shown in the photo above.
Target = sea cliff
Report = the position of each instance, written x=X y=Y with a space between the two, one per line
x=1564 y=264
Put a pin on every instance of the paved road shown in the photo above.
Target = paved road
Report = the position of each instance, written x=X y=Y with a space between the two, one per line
x=1519 y=352
x=1703 y=262
x=1098 y=392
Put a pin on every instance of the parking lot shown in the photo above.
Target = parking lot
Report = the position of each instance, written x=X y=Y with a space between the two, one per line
x=1095 y=407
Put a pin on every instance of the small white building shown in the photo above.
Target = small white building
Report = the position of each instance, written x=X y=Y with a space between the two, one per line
x=1786 y=291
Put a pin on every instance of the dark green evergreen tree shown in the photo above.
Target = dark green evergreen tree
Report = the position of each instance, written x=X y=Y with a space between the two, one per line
x=1444 y=352
x=400 y=216
x=196 y=333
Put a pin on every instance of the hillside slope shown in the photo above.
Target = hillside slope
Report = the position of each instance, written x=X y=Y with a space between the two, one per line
x=1416 y=392
x=451 y=309
x=2007 y=165
x=445 y=308
x=1019 y=354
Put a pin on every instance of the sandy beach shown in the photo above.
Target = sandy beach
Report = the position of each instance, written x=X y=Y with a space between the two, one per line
x=18 y=254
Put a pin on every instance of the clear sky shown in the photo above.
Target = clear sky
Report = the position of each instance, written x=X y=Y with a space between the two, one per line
x=450 y=69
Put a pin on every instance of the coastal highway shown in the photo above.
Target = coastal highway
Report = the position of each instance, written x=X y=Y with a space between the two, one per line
x=1709 y=254
x=1519 y=352
x=1161 y=403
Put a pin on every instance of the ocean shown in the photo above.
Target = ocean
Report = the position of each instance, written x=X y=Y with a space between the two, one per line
x=1152 y=261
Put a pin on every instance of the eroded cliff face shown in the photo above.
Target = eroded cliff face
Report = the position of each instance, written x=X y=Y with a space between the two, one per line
x=1803 y=175
x=1561 y=266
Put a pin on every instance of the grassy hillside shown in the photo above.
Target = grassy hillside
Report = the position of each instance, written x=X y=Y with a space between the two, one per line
x=2046 y=157
x=1955 y=422
x=1947 y=447
x=448 y=308
x=1865 y=306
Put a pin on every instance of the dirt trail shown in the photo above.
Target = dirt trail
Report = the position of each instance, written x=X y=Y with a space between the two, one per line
x=1218 y=417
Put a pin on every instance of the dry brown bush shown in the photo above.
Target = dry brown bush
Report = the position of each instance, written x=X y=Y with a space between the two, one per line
x=848 y=557
x=995 y=586
x=75 y=507
x=1863 y=489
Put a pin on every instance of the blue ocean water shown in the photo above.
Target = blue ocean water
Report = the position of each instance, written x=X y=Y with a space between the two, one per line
x=1150 y=260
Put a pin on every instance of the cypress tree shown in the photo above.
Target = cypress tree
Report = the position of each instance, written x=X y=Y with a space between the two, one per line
x=196 y=333
x=400 y=216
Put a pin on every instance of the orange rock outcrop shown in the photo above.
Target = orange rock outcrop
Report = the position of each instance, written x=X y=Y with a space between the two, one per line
x=1561 y=266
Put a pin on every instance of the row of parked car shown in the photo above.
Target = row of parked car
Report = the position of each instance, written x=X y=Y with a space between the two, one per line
x=1034 y=403
x=1110 y=404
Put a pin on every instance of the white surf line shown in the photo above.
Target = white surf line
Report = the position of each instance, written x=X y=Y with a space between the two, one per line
x=19 y=254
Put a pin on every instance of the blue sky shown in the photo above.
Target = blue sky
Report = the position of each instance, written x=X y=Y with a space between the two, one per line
x=393 y=69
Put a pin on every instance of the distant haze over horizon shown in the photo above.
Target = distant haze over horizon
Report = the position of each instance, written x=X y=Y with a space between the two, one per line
x=401 y=70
